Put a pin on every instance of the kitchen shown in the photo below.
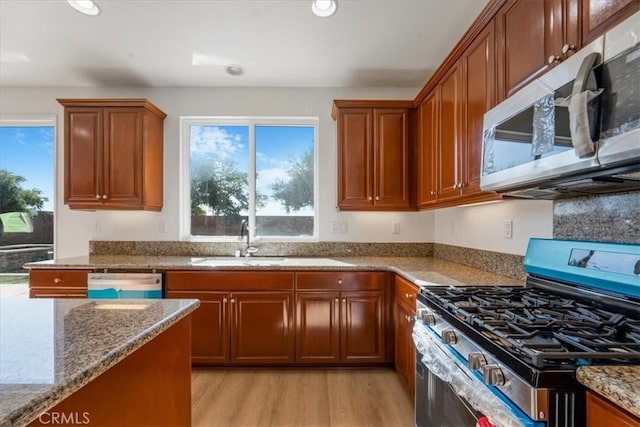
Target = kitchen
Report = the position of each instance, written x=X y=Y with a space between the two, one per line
x=474 y=233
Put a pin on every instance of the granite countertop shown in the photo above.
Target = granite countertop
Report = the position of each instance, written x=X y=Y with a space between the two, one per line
x=53 y=347
x=619 y=384
x=423 y=271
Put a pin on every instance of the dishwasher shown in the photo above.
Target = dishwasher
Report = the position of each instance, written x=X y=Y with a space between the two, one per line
x=124 y=285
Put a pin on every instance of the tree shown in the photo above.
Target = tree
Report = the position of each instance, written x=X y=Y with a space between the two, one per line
x=297 y=191
x=218 y=185
x=14 y=198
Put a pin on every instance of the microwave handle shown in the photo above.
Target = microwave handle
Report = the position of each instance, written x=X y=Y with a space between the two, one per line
x=580 y=84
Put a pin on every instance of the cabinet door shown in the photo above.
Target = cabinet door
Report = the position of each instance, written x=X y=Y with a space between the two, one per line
x=318 y=328
x=123 y=156
x=355 y=186
x=262 y=328
x=480 y=89
x=209 y=327
x=428 y=141
x=404 y=348
x=601 y=412
x=600 y=15
x=83 y=155
x=451 y=133
x=524 y=43
x=391 y=158
x=362 y=327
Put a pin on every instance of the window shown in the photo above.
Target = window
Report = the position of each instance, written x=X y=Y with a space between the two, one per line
x=26 y=191
x=255 y=169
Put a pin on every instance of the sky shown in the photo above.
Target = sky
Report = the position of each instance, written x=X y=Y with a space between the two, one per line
x=28 y=151
x=277 y=148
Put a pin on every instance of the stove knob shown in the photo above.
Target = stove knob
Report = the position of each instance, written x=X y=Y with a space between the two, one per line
x=449 y=337
x=426 y=317
x=476 y=361
x=493 y=375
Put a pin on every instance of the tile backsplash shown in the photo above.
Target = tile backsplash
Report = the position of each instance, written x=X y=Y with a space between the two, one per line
x=612 y=218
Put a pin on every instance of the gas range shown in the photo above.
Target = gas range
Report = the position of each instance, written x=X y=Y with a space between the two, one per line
x=580 y=306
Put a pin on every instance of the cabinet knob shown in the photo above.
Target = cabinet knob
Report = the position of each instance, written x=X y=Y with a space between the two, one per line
x=370 y=198
x=337 y=299
x=407 y=295
x=568 y=48
x=224 y=300
x=433 y=193
x=56 y=280
x=97 y=196
x=377 y=197
x=233 y=300
x=339 y=281
x=553 y=59
x=409 y=319
x=104 y=197
x=344 y=300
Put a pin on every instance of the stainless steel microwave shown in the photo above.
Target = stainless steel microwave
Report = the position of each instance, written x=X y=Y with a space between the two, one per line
x=575 y=130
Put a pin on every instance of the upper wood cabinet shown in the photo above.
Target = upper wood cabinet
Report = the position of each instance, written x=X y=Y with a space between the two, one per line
x=427 y=149
x=113 y=154
x=600 y=15
x=533 y=36
x=373 y=155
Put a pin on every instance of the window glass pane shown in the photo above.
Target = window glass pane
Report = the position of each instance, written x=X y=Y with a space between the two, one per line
x=26 y=197
x=219 y=179
x=284 y=180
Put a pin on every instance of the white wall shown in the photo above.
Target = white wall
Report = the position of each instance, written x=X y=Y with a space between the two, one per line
x=74 y=229
x=482 y=226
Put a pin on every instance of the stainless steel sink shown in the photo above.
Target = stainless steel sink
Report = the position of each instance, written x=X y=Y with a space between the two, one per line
x=265 y=261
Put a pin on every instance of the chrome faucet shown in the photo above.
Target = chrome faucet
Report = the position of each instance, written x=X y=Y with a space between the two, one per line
x=244 y=231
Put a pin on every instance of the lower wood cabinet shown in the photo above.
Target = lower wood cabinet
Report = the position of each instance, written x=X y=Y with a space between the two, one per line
x=246 y=327
x=58 y=283
x=601 y=412
x=342 y=318
x=404 y=316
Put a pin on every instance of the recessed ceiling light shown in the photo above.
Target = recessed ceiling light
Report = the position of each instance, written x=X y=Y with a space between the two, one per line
x=86 y=7
x=234 y=70
x=324 y=8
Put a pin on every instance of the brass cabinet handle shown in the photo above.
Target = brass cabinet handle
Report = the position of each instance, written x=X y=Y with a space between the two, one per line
x=57 y=280
x=568 y=48
x=339 y=281
x=553 y=59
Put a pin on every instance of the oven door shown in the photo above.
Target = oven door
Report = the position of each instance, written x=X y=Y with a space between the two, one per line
x=437 y=404
x=450 y=394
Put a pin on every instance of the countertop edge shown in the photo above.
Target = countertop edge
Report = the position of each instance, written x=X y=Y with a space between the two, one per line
x=41 y=404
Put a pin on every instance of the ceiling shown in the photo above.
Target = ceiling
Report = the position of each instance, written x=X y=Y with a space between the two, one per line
x=367 y=43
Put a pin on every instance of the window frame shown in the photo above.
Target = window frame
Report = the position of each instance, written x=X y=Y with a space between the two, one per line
x=185 y=173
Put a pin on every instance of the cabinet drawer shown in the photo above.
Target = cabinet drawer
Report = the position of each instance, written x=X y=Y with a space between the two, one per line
x=58 y=278
x=341 y=281
x=406 y=293
x=229 y=280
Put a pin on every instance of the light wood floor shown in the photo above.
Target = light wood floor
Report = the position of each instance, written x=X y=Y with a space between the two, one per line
x=299 y=397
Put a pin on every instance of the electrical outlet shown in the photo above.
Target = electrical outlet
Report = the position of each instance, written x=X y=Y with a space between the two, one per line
x=339 y=227
x=508 y=229
x=395 y=228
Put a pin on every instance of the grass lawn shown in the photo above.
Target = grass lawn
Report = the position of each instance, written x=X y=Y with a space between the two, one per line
x=8 y=278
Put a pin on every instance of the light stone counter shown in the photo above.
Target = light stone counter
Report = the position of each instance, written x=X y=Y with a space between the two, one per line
x=619 y=384
x=420 y=270
x=50 y=348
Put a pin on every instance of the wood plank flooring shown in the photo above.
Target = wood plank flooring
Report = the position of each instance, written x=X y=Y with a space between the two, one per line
x=299 y=397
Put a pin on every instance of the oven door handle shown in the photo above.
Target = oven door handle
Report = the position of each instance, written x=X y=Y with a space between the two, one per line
x=446 y=366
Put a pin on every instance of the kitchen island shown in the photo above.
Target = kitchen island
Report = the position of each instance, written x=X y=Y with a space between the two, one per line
x=98 y=362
